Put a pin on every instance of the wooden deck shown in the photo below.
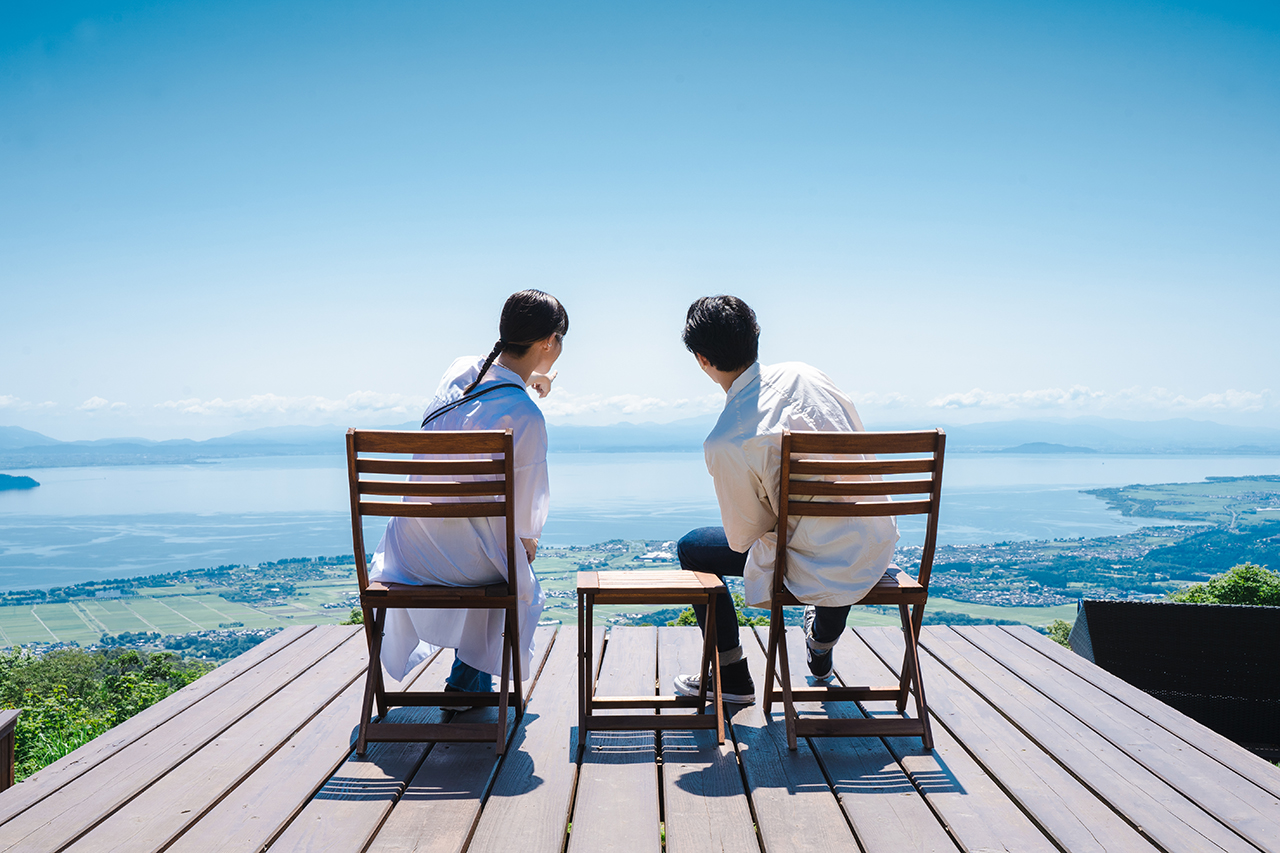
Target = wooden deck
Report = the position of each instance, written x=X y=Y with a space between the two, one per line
x=1038 y=750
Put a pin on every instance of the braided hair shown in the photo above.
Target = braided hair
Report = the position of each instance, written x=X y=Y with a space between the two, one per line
x=527 y=317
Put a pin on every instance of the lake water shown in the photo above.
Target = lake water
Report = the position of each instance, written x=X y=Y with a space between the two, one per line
x=90 y=523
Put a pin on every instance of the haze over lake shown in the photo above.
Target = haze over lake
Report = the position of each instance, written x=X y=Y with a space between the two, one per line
x=94 y=522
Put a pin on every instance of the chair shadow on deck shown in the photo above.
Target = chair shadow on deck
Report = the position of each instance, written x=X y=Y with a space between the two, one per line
x=516 y=764
x=620 y=747
x=697 y=747
x=933 y=780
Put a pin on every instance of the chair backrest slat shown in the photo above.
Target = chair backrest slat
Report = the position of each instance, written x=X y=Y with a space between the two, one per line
x=415 y=441
x=856 y=488
x=857 y=509
x=862 y=467
x=426 y=510
x=451 y=455
x=845 y=481
x=433 y=490
x=864 y=442
x=429 y=467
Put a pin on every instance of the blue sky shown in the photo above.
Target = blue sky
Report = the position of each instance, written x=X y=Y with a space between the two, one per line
x=226 y=215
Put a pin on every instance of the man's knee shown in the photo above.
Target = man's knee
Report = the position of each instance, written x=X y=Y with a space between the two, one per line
x=691 y=549
x=683 y=551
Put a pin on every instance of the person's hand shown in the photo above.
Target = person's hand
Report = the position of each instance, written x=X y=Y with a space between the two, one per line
x=541 y=382
x=530 y=548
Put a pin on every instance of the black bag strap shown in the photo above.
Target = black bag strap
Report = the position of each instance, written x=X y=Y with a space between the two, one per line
x=449 y=407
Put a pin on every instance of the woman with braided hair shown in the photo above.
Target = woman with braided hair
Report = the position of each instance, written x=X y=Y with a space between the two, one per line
x=480 y=393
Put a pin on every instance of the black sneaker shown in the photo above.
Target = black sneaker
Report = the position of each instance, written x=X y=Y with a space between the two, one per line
x=736 y=685
x=821 y=662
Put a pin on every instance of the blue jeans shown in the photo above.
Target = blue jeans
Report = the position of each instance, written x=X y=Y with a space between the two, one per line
x=468 y=678
x=707 y=550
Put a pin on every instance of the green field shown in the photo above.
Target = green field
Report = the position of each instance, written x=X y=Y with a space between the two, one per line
x=176 y=609
x=185 y=605
x=294 y=592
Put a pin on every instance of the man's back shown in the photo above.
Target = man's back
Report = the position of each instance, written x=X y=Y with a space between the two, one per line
x=834 y=561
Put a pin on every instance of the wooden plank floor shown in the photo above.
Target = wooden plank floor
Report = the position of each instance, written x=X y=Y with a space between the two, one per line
x=1037 y=750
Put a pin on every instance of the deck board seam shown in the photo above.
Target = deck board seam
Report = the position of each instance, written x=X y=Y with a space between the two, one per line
x=102 y=818
x=999 y=783
x=514 y=727
x=1120 y=747
x=906 y=772
x=283 y=742
x=412 y=774
x=1084 y=782
x=1155 y=722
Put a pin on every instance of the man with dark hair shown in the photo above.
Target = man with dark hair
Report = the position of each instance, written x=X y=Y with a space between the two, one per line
x=831 y=562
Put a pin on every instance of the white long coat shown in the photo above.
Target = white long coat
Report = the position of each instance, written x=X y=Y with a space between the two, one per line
x=469 y=551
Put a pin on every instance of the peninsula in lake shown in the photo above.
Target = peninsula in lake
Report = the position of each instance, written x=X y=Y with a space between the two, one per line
x=8 y=483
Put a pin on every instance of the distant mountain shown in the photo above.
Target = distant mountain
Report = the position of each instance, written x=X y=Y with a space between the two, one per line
x=19 y=437
x=1112 y=435
x=20 y=448
x=1044 y=447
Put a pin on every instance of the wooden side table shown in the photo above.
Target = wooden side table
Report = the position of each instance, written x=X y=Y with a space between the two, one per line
x=647 y=587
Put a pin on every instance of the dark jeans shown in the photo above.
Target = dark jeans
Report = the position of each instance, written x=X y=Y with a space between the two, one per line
x=468 y=678
x=707 y=550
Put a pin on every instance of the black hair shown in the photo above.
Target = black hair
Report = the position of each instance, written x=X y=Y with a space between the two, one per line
x=528 y=317
x=723 y=330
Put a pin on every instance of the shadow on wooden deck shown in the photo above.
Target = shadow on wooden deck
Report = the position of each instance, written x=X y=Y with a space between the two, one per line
x=1037 y=750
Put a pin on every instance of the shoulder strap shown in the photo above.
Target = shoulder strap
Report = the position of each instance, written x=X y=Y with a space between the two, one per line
x=449 y=407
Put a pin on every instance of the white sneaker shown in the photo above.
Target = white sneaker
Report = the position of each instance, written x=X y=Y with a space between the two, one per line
x=691 y=685
x=449 y=688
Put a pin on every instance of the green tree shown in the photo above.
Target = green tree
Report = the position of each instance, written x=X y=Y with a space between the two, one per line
x=70 y=696
x=1059 y=631
x=52 y=725
x=687 y=617
x=1242 y=584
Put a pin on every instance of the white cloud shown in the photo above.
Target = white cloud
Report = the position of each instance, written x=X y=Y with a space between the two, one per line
x=372 y=405
x=98 y=404
x=357 y=404
x=562 y=404
x=8 y=401
x=1081 y=398
x=892 y=400
x=1075 y=397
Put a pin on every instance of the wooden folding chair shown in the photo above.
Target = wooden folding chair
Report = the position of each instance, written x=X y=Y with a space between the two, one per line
x=473 y=472
x=832 y=474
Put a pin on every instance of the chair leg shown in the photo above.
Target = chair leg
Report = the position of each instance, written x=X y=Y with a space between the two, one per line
x=771 y=656
x=379 y=685
x=372 y=680
x=788 y=702
x=517 y=666
x=908 y=649
x=708 y=649
x=584 y=666
x=504 y=693
x=922 y=707
x=710 y=671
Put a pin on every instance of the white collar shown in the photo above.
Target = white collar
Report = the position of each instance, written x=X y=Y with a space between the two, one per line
x=511 y=375
x=750 y=374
